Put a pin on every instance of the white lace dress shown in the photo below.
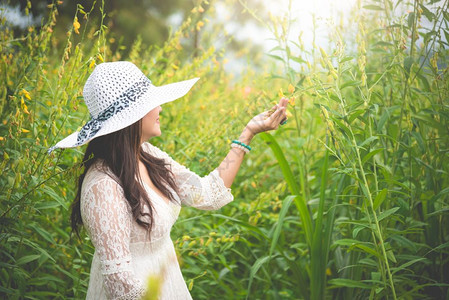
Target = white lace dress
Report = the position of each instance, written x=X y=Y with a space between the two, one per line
x=125 y=257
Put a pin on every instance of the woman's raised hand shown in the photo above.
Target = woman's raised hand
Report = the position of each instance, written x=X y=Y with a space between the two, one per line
x=269 y=120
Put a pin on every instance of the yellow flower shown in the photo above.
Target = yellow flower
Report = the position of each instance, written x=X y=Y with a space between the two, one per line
x=291 y=88
x=76 y=25
x=199 y=25
x=281 y=93
x=326 y=114
x=200 y=9
x=25 y=130
x=26 y=94
x=174 y=66
x=253 y=184
x=100 y=57
x=24 y=106
x=2 y=138
x=92 y=64
x=292 y=101
x=323 y=53
x=154 y=284
x=334 y=74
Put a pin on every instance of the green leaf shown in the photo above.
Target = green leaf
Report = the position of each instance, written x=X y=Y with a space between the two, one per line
x=385 y=116
x=420 y=140
x=429 y=15
x=277 y=48
x=291 y=183
x=257 y=265
x=409 y=263
x=366 y=249
x=424 y=81
x=45 y=234
x=408 y=61
x=355 y=114
x=349 y=283
x=390 y=256
x=368 y=140
x=371 y=154
x=50 y=192
x=383 y=44
x=285 y=206
x=26 y=259
x=387 y=213
x=345 y=59
x=347 y=242
x=297 y=59
x=356 y=230
x=276 y=57
x=442 y=246
x=428 y=36
x=350 y=83
x=380 y=198
x=343 y=128
x=373 y=7
x=410 y=19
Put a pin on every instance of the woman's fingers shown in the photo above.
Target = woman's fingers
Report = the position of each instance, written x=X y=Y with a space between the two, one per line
x=271 y=111
x=283 y=102
x=277 y=117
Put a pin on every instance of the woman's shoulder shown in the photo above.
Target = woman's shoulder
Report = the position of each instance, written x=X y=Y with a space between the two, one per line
x=154 y=150
x=98 y=173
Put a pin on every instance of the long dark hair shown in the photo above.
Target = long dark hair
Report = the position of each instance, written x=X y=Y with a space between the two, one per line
x=119 y=152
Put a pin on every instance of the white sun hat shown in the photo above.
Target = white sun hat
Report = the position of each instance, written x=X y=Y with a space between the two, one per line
x=117 y=95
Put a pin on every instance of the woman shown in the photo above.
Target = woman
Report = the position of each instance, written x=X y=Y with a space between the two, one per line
x=131 y=192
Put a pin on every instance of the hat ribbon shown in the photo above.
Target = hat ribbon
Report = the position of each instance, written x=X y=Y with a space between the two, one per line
x=131 y=95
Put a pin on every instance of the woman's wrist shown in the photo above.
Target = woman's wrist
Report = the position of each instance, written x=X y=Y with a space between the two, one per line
x=246 y=136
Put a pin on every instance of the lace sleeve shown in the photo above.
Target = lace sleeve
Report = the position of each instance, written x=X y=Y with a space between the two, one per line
x=207 y=193
x=108 y=222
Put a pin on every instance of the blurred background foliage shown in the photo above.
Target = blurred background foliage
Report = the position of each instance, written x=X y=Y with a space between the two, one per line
x=152 y=21
x=349 y=200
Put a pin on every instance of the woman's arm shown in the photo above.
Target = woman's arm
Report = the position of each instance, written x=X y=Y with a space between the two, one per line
x=231 y=163
x=108 y=222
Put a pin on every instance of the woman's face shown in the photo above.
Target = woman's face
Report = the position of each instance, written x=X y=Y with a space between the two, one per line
x=150 y=124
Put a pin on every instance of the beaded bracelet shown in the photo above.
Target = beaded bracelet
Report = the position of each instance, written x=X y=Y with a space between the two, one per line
x=233 y=145
x=241 y=144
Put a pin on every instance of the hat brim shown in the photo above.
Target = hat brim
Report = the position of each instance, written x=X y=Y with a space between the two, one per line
x=152 y=98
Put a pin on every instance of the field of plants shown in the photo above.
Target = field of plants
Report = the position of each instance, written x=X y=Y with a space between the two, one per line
x=348 y=200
